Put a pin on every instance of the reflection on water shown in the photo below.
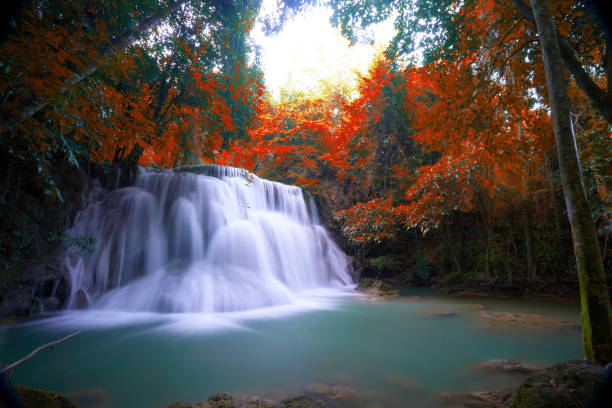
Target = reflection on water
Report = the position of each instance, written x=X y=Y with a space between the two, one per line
x=346 y=350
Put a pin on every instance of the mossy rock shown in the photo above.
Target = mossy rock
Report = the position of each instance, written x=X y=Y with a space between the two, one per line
x=221 y=400
x=572 y=384
x=35 y=398
x=366 y=283
x=301 y=402
x=376 y=288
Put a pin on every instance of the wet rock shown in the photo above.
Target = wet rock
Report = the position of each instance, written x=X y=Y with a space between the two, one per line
x=47 y=304
x=301 y=402
x=493 y=399
x=36 y=280
x=376 y=289
x=18 y=302
x=252 y=401
x=414 y=297
x=572 y=384
x=342 y=393
x=80 y=300
x=531 y=320
x=508 y=366
x=35 y=398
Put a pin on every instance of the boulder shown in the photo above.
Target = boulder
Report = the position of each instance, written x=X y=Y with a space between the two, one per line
x=573 y=384
x=35 y=398
x=376 y=289
x=532 y=320
x=80 y=299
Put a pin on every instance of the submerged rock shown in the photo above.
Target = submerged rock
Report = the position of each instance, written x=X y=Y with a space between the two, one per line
x=492 y=399
x=90 y=397
x=301 y=402
x=508 y=366
x=376 y=288
x=523 y=319
x=440 y=314
x=35 y=398
x=332 y=392
x=573 y=384
x=403 y=382
x=221 y=400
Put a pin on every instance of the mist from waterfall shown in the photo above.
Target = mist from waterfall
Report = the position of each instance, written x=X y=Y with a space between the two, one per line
x=202 y=239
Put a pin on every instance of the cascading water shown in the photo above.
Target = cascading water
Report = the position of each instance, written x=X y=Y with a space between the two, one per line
x=202 y=239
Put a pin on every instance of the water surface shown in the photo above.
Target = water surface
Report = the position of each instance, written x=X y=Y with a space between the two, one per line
x=378 y=353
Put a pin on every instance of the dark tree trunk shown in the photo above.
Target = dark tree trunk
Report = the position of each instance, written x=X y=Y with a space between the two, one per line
x=596 y=313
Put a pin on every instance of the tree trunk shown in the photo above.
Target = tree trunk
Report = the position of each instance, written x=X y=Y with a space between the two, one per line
x=597 y=96
x=553 y=198
x=596 y=313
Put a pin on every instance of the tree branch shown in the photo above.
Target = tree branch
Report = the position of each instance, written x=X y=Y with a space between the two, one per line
x=8 y=370
x=598 y=97
x=119 y=43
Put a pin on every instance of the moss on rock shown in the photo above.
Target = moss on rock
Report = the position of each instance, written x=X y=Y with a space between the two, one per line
x=36 y=398
x=571 y=385
x=376 y=288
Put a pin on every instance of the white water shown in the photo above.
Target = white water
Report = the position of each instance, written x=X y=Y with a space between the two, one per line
x=202 y=239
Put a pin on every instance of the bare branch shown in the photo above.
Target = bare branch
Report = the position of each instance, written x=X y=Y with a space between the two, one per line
x=8 y=370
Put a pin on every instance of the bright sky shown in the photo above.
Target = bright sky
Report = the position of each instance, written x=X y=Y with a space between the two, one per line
x=309 y=50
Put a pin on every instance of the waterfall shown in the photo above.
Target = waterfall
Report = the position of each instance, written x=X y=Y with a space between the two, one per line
x=201 y=239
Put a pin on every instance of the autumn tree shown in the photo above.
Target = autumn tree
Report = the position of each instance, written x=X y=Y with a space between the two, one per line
x=495 y=50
